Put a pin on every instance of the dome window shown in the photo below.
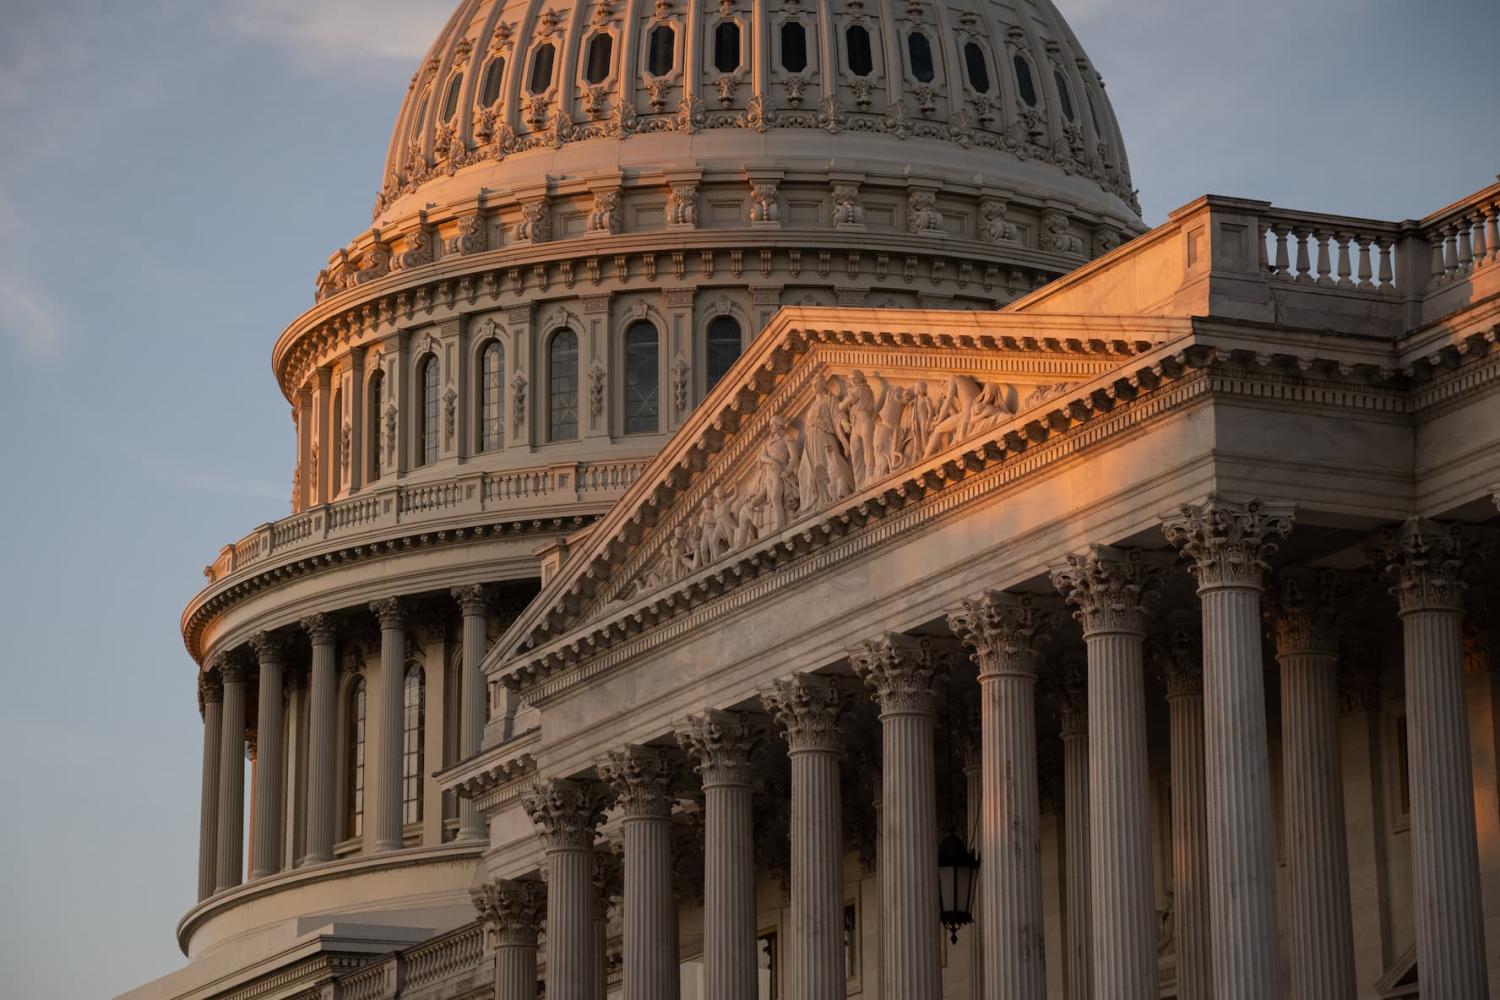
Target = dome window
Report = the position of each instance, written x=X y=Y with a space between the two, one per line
x=492 y=397
x=489 y=87
x=642 y=379
x=429 y=411
x=979 y=70
x=723 y=347
x=421 y=115
x=919 y=49
x=413 y=738
x=354 y=761
x=372 y=410
x=793 y=47
x=562 y=375
x=1064 y=96
x=541 y=69
x=1023 y=81
x=450 y=99
x=601 y=48
x=727 y=47
x=661 y=50
x=857 y=41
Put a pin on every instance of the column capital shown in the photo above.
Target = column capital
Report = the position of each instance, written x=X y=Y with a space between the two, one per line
x=512 y=910
x=1426 y=560
x=472 y=598
x=1111 y=589
x=320 y=628
x=233 y=666
x=1178 y=650
x=210 y=686
x=392 y=612
x=609 y=878
x=1229 y=542
x=566 y=813
x=1305 y=608
x=269 y=647
x=720 y=744
x=1006 y=631
x=641 y=780
x=901 y=672
x=807 y=707
x=1070 y=695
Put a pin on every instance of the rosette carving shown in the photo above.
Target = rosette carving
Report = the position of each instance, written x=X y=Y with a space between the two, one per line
x=1228 y=542
x=901 y=672
x=1426 y=560
x=808 y=708
x=1111 y=589
x=566 y=813
x=1006 y=632
x=641 y=780
x=512 y=910
x=720 y=744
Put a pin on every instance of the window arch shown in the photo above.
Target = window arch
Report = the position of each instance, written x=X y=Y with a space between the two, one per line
x=1064 y=93
x=489 y=84
x=596 y=65
x=450 y=99
x=413 y=733
x=722 y=347
x=541 y=68
x=372 y=428
x=793 y=47
x=727 y=47
x=562 y=388
x=642 y=378
x=354 y=760
x=492 y=396
x=427 y=412
x=661 y=51
x=919 y=49
x=979 y=70
x=857 y=41
x=1023 y=80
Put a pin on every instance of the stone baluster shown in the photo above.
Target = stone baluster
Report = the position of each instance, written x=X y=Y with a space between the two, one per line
x=1426 y=560
x=1366 y=274
x=322 y=780
x=1465 y=250
x=1304 y=262
x=720 y=744
x=1345 y=281
x=211 y=694
x=230 y=849
x=1387 y=265
x=641 y=781
x=1283 y=262
x=1481 y=245
x=1304 y=616
x=1492 y=230
x=808 y=709
x=270 y=740
x=1229 y=543
x=1325 y=268
x=1111 y=589
x=512 y=912
x=1450 y=251
x=1073 y=724
x=566 y=815
x=389 y=715
x=902 y=673
x=1181 y=660
x=1007 y=633
x=474 y=605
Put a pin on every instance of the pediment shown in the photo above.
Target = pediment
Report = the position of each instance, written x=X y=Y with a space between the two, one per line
x=831 y=411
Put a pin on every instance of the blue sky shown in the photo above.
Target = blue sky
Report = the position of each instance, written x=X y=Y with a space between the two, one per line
x=174 y=173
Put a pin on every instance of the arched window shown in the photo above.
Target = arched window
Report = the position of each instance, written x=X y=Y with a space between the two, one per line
x=979 y=70
x=338 y=440
x=1023 y=80
x=793 y=47
x=413 y=730
x=596 y=68
x=857 y=40
x=492 y=397
x=541 y=69
x=373 y=418
x=489 y=85
x=428 y=411
x=727 y=47
x=562 y=389
x=642 y=379
x=723 y=347
x=450 y=100
x=919 y=49
x=1064 y=95
x=661 y=50
x=354 y=761
x=421 y=115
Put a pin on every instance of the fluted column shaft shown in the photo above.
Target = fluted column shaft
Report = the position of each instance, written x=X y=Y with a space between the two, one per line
x=386 y=807
x=721 y=742
x=208 y=815
x=270 y=746
x=641 y=779
x=566 y=814
x=901 y=674
x=1190 y=837
x=1079 y=956
x=322 y=741
x=973 y=819
x=230 y=850
x=515 y=971
x=472 y=702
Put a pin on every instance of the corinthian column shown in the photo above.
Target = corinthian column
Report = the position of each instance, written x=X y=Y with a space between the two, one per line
x=512 y=911
x=1228 y=544
x=322 y=739
x=1007 y=633
x=902 y=673
x=270 y=737
x=1073 y=720
x=1182 y=667
x=386 y=808
x=1427 y=559
x=230 y=850
x=566 y=815
x=1110 y=589
x=720 y=743
x=211 y=693
x=808 y=708
x=1307 y=642
x=472 y=602
x=641 y=780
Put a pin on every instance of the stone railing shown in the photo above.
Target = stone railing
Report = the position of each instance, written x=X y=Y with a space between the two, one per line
x=1330 y=251
x=541 y=491
x=433 y=961
x=1463 y=238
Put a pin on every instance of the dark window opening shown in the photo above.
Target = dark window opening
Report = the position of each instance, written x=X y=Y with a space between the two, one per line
x=601 y=47
x=979 y=70
x=541 y=69
x=919 y=49
x=723 y=347
x=857 y=40
x=642 y=379
x=1023 y=81
x=489 y=87
x=793 y=47
x=562 y=364
x=661 y=50
x=727 y=47
x=1064 y=96
x=450 y=100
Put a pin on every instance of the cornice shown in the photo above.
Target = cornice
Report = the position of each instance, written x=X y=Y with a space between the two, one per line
x=499 y=775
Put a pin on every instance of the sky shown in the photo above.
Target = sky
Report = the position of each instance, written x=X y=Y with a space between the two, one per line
x=174 y=173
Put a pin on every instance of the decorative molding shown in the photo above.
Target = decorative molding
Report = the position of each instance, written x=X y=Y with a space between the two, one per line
x=1112 y=589
x=1229 y=542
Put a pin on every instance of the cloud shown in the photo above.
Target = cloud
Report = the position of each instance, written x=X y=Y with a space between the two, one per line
x=29 y=317
x=344 y=30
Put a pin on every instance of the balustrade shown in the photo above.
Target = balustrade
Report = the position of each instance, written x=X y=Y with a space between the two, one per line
x=1463 y=240
x=1329 y=251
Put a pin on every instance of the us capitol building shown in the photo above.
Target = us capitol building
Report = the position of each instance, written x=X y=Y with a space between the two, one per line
x=770 y=521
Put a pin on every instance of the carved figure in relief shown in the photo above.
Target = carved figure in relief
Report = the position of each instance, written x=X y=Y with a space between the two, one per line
x=967 y=407
x=777 y=473
x=888 y=422
x=922 y=213
x=916 y=422
x=857 y=411
x=824 y=474
x=1057 y=238
x=847 y=210
x=994 y=227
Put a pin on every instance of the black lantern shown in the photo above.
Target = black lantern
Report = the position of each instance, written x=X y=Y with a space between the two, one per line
x=958 y=871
